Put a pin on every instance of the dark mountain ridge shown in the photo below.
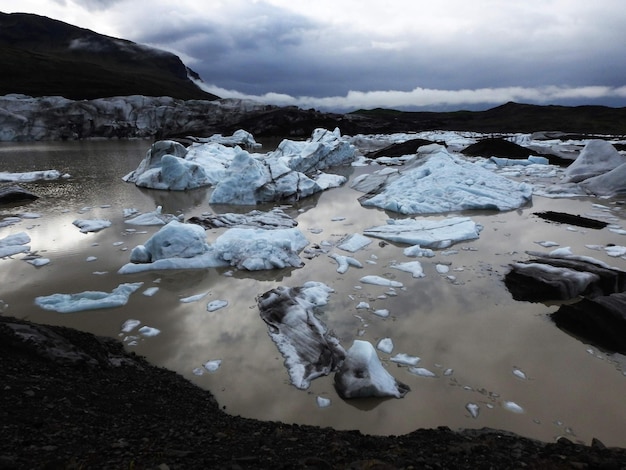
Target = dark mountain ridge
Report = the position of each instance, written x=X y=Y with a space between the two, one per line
x=45 y=57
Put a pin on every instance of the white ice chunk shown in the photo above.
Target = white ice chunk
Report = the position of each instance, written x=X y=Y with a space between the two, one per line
x=418 y=252
x=216 y=305
x=441 y=182
x=213 y=365
x=344 y=262
x=194 y=298
x=380 y=281
x=148 y=331
x=129 y=325
x=362 y=375
x=512 y=406
x=152 y=218
x=29 y=176
x=473 y=409
x=422 y=372
x=385 y=345
x=413 y=267
x=615 y=250
x=354 y=242
x=88 y=300
x=362 y=305
x=14 y=244
x=520 y=374
x=405 y=359
x=547 y=243
x=442 y=268
x=38 y=262
x=150 y=291
x=91 y=225
x=381 y=312
x=427 y=233
x=322 y=402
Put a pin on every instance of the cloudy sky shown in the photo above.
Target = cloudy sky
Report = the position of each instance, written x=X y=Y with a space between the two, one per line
x=404 y=54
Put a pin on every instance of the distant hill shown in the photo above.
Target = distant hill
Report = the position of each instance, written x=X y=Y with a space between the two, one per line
x=509 y=117
x=40 y=56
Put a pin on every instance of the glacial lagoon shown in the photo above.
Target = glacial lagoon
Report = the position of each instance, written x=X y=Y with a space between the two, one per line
x=485 y=360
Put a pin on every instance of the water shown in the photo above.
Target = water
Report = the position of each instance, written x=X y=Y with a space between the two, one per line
x=489 y=353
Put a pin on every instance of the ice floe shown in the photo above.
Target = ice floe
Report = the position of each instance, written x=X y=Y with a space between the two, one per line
x=440 y=182
x=155 y=217
x=385 y=345
x=91 y=225
x=88 y=300
x=354 y=242
x=405 y=359
x=413 y=267
x=273 y=219
x=14 y=244
x=427 y=233
x=344 y=262
x=215 y=305
x=30 y=176
x=380 y=281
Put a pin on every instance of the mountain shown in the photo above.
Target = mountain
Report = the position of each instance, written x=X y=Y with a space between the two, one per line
x=45 y=57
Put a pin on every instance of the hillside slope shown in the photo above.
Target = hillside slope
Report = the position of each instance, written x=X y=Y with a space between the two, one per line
x=45 y=57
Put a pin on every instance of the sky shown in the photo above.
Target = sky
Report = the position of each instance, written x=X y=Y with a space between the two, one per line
x=341 y=55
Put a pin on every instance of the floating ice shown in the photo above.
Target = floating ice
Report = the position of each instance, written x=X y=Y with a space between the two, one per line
x=440 y=182
x=512 y=406
x=89 y=259
x=405 y=359
x=422 y=372
x=193 y=298
x=547 y=243
x=14 y=244
x=93 y=225
x=152 y=218
x=615 y=250
x=427 y=233
x=129 y=325
x=29 y=176
x=148 y=331
x=88 y=300
x=418 y=252
x=344 y=262
x=596 y=158
x=362 y=306
x=473 y=409
x=520 y=374
x=38 y=262
x=354 y=242
x=381 y=312
x=322 y=402
x=380 y=281
x=385 y=345
x=213 y=365
x=150 y=291
x=362 y=375
x=309 y=349
x=413 y=267
x=442 y=268
x=216 y=305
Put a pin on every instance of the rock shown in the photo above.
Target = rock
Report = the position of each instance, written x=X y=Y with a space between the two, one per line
x=498 y=147
x=600 y=321
x=596 y=158
x=14 y=193
x=398 y=150
x=571 y=219
x=548 y=278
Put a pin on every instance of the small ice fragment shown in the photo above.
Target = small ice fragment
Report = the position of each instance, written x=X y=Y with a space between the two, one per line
x=322 y=402
x=193 y=298
x=448 y=372
x=30 y=215
x=547 y=243
x=618 y=231
x=391 y=292
x=512 y=407
x=130 y=325
x=385 y=345
x=473 y=409
x=316 y=230
x=39 y=261
x=149 y=331
x=615 y=251
x=405 y=359
x=344 y=262
x=100 y=273
x=354 y=242
x=442 y=268
x=418 y=251
x=519 y=373
x=216 y=305
x=572 y=229
x=382 y=312
x=89 y=259
x=564 y=251
x=413 y=267
x=212 y=366
x=198 y=371
x=363 y=305
x=422 y=372
x=118 y=243
x=337 y=219
x=93 y=225
x=150 y=291
x=380 y=281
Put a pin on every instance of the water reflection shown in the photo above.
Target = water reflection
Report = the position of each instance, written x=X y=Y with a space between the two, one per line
x=468 y=323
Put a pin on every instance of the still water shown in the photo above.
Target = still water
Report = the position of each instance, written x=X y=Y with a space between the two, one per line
x=469 y=324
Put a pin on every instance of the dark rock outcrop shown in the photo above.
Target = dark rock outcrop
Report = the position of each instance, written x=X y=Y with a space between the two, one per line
x=571 y=219
x=600 y=321
x=398 y=150
x=10 y=194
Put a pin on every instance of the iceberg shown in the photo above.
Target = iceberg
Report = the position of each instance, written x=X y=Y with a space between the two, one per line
x=88 y=300
x=14 y=244
x=354 y=242
x=184 y=246
x=29 y=176
x=596 y=158
x=427 y=233
x=91 y=225
x=362 y=375
x=611 y=183
x=309 y=349
x=440 y=182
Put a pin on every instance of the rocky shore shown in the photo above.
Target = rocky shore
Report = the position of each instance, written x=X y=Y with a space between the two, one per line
x=72 y=400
